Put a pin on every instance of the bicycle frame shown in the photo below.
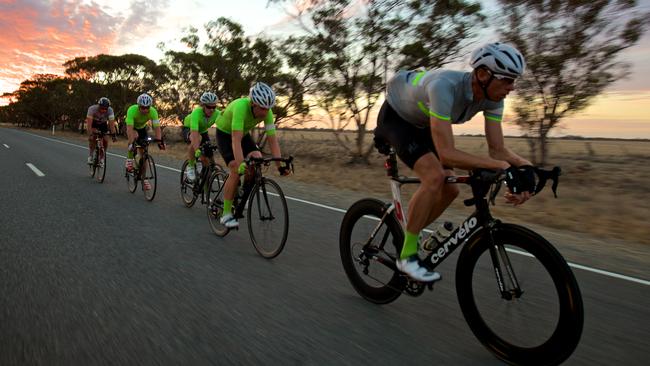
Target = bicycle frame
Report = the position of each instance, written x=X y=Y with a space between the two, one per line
x=477 y=224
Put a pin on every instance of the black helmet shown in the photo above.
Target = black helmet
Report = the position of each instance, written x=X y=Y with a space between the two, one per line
x=104 y=102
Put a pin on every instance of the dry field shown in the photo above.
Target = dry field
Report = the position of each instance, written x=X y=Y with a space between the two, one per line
x=603 y=190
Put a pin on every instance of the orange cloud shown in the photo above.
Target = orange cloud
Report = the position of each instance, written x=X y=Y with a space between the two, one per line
x=38 y=36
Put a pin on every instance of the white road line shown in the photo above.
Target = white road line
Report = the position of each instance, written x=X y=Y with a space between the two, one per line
x=7 y=146
x=35 y=169
x=574 y=265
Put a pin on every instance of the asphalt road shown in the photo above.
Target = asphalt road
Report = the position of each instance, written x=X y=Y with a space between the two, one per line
x=91 y=274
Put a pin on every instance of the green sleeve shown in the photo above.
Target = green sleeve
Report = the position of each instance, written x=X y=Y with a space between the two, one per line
x=153 y=114
x=195 y=119
x=238 y=116
x=130 y=114
x=269 y=124
x=186 y=120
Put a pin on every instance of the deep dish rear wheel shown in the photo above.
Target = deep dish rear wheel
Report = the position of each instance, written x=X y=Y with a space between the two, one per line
x=364 y=260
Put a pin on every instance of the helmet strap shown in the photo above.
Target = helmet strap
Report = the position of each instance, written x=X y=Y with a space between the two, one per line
x=484 y=86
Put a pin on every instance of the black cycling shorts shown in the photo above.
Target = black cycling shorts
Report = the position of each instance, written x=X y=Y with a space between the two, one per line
x=410 y=142
x=224 y=141
x=142 y=136
x=100 y=126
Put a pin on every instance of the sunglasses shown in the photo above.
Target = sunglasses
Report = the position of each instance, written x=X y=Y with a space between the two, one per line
x=210 y=106
x=103 y=109
x=504 y=78
x=144 y=108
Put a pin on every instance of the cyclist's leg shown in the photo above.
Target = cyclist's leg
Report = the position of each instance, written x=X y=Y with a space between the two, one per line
x=130 y=153
x=104 y=129
x=207 y=155
x=224 y=140
x=91 y=145
x=417 y=153
x=250 y=149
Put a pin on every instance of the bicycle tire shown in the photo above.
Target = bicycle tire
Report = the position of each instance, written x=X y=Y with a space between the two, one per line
x=215 y=202
x=351 y=251
x=131 y=179
x=187 y=189
x=150 y=194
x=101 y=168
x=92 y=167
x=550 y=265
x=263 y=207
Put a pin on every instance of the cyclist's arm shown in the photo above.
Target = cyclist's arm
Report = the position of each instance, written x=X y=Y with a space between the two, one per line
x=443 y=139
x=497 y=147
x=269 y=128
x=155 y=122
x=130 y=120
x=89 y=124
x=111 y=120
x=236 y=146
x=275 y=148
x=195 y=137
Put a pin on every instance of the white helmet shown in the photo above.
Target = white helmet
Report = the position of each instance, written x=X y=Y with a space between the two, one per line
x=262 y=95
x=500 y=58
x=208 y=98
x=144 y=100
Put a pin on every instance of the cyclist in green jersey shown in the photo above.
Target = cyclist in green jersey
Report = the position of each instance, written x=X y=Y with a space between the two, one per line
x=198 y=122
x=137 y=117
x=416 y=120
x=235 y=142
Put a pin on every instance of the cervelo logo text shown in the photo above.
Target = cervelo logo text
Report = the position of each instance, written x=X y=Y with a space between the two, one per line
x=460 y=234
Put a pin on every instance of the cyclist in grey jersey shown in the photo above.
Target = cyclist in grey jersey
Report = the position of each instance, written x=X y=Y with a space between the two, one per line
x=445 y=94
x=417 y=119
x=100 y=117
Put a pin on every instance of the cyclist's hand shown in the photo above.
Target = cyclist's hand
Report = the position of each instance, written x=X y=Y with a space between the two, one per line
x=284 y=170
x=518 y=198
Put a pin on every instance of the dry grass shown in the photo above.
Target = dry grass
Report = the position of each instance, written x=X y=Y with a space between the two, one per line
x=603 y=190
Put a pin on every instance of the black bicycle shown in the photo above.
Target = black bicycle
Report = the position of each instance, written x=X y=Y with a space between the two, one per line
x=190 y=191
x=516 y=291
x=267 y=213
x=144 y=169
x=97 y=168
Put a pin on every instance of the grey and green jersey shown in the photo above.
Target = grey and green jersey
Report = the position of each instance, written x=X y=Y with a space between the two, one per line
x=238 y=116
x=197 y=121
x=98 y=116
x=445 y=94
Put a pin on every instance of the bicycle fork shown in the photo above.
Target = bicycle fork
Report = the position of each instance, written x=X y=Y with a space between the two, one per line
x=501 y=260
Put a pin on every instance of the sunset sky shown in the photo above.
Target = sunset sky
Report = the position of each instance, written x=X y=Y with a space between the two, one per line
x=38 y=36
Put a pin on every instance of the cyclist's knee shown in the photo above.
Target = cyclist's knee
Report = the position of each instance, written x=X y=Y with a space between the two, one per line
x=255 y=154
x=432 y=181
x=451 y=191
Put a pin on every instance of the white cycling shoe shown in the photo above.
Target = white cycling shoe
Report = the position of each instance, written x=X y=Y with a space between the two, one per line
x=411 y=267
x=90 y=160
x=229 y=221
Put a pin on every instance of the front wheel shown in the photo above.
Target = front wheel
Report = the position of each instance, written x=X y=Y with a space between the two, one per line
x=538 y=318
x=101 y=165
x=268 y=218
x=215 y=202
x=369 y=260
x=187 y=188
x=150 y=175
